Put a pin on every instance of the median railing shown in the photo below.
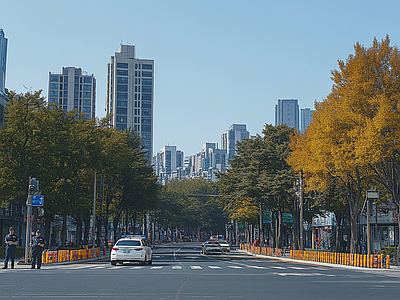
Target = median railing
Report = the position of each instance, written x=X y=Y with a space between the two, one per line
x=357 y=260
x=70 y=255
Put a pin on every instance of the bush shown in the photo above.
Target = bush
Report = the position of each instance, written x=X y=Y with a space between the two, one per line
x=18 y=253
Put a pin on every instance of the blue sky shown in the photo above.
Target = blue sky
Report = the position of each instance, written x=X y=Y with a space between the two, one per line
x=216 y=62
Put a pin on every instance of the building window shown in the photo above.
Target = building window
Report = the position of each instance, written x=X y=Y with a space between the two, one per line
x=86 y=109
x=146 y=74
x=146 y=81
x=146 y=135
x=76 y=102
x=121 y=119
x=87 y=94
x=122 y=96
x=87 y=79
x=136 y=127
x=65 y=86
x=135 y=96
x=146 y=96
x=146 y=105
x=146 y=120
x=87 y=102
x=65 y=78
x=122 y=88
x=147 y=89
x=137 y=73
x=122 y=103
x=123 y=80
x=122 y=65
x=54 y=86
x=121 y=111
x=146 y=112
x=121 y=126
x=122 y=72
x=53 y=78
x=52 y=100
x=147 y=67
x=87 y=87
x=65 y=94
x=76 y=94
x=76 y=87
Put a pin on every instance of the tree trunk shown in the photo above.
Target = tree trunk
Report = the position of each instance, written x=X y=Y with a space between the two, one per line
x=47 y=227
x=338 y=242
x=87 y=226
x=64 y=231
x=260 y=229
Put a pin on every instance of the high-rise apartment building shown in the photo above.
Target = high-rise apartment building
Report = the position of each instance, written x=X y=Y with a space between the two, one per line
x=3 y=60
x=167 y=161
x=130 y=93
x=287 y=112
x=73 y=89
x=235 y=133
x=306 y=118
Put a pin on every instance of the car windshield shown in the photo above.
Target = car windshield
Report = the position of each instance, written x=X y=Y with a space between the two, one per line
x=128 y=243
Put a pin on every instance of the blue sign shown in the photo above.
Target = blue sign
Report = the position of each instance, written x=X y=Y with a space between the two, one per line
x=37 y=200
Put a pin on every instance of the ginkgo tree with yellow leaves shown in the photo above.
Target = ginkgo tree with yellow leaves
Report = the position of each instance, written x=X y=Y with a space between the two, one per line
x=355 y=132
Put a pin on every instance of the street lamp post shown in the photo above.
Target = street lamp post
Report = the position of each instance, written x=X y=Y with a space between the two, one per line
x=301 y=209
x=94 y=211
x=28 y=219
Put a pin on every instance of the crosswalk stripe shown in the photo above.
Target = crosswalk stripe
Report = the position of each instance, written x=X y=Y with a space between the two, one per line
x=196 y=267
x=176 y=267
x=214 y=267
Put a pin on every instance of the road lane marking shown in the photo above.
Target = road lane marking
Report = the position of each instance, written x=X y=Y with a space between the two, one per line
x=214 y=267
x=176 y=267
x=257 y=267
x=235 y=267
x=156 y=267
x=279 y=268
x=196 y=267
x=136 y=268
x=297 y=268
x=303 y=274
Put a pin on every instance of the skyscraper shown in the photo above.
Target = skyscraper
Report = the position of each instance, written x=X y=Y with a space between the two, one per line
x=73 y=89
x=235 y=133
x=130 y=94
x=287 y=112
x=3 y=60
x=306 y=118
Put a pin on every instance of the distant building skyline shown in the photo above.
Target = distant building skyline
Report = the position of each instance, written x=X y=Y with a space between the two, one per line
x=235 y=133
x=130 y=94
x=306 y=118
x=73 y=89
x=287 y=112
x=3 y=60
x=3 y=65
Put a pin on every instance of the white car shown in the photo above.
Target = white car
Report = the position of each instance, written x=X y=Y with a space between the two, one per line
x=224 y=245
x=211 y=247
x=132 y=249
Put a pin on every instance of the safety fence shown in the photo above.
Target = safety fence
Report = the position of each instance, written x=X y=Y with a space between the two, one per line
x=70 y=255
x=263 y=250
x=357 y=260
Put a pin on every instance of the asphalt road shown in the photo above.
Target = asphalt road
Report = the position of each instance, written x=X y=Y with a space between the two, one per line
x=182 y=272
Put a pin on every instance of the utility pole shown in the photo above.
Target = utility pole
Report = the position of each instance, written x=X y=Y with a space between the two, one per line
x=371 y=195
x=28 y=218
x=301 y=209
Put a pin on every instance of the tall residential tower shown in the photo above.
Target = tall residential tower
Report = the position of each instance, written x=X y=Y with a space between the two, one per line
x=73 y=89
x=235 y=133
x=3 y=60
x=130 y=93
x=287 y=112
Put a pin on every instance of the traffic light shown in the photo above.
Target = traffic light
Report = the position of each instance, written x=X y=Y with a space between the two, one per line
x=31 y=189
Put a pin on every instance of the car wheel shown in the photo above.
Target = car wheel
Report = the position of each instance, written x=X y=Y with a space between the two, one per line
x=150 y=262
x=143 y=263
x=113 y=262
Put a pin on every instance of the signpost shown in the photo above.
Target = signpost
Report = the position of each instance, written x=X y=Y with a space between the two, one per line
x=370 y=195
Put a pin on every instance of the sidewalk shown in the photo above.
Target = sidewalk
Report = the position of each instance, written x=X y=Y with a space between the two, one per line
x=72 y=262
x=314 y=263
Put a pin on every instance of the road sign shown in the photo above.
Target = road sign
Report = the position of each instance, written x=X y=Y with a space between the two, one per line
x=37 y=200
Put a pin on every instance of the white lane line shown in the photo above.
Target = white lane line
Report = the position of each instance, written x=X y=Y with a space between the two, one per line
x=302 y=274
x=297 y=268
x=257 y=267
x=176 y=267
x=156 y=268
x=100 y=267
x=235 y=267
x=279 y=268
x=214 y=267
x=136 y=268
x=196 y=267
x=114 y=268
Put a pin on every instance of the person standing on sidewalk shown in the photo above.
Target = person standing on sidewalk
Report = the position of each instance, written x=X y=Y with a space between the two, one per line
x=11 y=241
x=37 y=248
